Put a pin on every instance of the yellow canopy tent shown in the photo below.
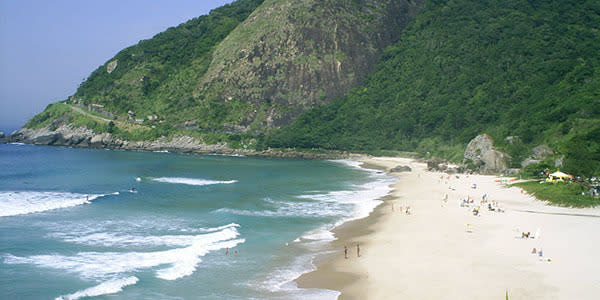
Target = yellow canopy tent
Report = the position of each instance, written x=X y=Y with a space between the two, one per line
x=557 y=176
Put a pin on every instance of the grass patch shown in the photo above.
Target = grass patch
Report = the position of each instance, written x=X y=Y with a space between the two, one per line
x=562 y=194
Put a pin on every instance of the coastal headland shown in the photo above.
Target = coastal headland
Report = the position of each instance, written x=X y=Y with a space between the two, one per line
x=443 y=249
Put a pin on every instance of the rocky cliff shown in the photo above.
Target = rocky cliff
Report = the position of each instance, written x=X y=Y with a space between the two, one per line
x=289 y=56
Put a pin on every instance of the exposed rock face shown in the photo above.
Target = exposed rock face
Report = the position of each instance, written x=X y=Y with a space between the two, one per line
x=528 y=161
x=541 y=152
x=111 y=66
x=289 y=56
x=436 y=164
x=559 y=162
x=538 y=153
x=401 y=169
x=481 y=151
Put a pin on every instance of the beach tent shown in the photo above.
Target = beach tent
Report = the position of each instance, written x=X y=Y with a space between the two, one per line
x=560 y=175
x=557 y=176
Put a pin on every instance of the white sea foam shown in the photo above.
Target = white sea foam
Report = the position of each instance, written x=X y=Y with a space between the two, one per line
x=192 y=181
x=179 y=262
x=350 y=163
x=108 y=287
x=108 y=239
x=281 y=280
x=18 y=203
x=321 y=234
x=291 y=209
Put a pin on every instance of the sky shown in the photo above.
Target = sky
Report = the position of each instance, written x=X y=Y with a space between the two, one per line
x=48 y=47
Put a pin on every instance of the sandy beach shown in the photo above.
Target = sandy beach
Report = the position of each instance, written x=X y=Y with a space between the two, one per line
x=443 y=251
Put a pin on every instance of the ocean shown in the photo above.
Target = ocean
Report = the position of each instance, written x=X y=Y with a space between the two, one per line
x=106 y=224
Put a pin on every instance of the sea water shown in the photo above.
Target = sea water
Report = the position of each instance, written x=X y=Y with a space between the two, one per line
x=78 y=223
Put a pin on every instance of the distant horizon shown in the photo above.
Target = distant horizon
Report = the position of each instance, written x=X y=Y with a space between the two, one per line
x=48 y=48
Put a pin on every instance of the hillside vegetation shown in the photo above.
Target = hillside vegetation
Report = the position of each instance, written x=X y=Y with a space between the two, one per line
x=508 y=68
x=360 y=75
x=247 y=66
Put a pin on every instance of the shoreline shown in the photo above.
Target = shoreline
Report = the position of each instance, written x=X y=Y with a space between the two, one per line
x=270 y=153
x=443 y=251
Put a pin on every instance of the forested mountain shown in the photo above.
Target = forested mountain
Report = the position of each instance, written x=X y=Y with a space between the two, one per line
x=529 y=69
x=423 y=76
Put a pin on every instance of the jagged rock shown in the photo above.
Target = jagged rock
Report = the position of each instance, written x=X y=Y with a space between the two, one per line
x=559 y=162
x=541 y=152
x=481 y=151
x=401 y=169
x=436 y=164
x=111 y=66
x=528 y=161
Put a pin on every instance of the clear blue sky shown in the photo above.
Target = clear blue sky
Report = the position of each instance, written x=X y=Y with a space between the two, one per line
x=48 y=46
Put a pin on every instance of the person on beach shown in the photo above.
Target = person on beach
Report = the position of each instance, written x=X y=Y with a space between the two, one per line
x=226 y=251
x=345 y=252
x=357 y=250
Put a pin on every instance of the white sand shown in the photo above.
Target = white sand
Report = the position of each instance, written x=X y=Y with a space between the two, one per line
x=431 y=255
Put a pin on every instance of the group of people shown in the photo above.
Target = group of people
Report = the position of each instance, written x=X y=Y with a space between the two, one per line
x=346 y=251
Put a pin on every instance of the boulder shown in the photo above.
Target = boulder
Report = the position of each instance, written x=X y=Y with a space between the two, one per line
x=481 y=152
x=528 y=161
x=435 y=164
x=541 y=152
x=559 y=162
x=401 y=169
x=478 y=146
x=494 y=161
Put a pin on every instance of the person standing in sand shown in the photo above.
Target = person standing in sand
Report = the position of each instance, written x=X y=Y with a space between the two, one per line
x=345 y=252
x=357 y=250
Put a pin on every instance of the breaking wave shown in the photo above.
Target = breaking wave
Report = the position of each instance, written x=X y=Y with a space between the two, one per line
x=19 y=203
x=192 y=181
x=116 y=268
x=108 y=287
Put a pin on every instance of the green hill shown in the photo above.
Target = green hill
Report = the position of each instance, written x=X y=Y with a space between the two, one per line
x=359 y=75
x=508 y=68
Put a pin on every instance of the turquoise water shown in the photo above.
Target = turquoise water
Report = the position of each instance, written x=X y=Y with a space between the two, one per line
x=137 y=225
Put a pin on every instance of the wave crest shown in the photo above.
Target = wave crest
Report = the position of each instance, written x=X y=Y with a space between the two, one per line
x=108 y=287
x=192 y=181
x=20 y=203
